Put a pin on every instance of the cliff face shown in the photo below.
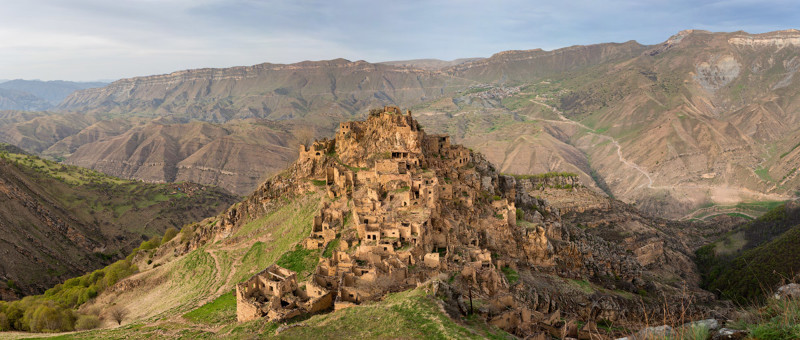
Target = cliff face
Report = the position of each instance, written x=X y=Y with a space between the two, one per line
x=339 y=87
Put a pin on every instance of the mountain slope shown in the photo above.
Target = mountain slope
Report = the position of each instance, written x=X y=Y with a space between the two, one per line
x=61 y=221
x=702 y=121
x=748 y=262
x=52 y=92
x=511 y=260
x=324 y=92
x=19 y=100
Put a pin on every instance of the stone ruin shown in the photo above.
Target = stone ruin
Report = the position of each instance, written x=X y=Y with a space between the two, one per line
x=390 y=198
x=275 y=294
x=403 y=207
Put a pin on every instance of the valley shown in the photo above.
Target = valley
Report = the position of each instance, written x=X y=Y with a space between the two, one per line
x=62 y=221
x=581 y=192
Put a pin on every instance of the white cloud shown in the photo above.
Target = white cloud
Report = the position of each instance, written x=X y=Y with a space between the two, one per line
x=100 y=39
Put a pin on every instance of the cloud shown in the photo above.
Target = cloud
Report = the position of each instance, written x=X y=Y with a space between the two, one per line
x=101 y=39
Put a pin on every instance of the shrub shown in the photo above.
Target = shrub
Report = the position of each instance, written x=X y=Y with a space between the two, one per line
x=150 y=244
x=86 y=322
x=186 y=233
x=4 y=324
x=169 y=234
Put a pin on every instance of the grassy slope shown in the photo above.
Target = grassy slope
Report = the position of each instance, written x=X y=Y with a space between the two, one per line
x=753 y=258
x=192 y=296
x=110 y=211
x=410 y=314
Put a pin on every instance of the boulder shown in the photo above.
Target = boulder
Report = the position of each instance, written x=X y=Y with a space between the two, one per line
x=790 y=291
x=729 y=334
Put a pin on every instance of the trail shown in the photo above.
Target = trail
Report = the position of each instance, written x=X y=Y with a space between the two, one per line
x=564 y=119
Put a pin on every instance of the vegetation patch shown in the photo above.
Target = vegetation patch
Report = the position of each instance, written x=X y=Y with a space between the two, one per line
x=544 y=175
x=221 y=310
x=409 y=315
x=511 y=275
x=300 y=260
x=754 y=258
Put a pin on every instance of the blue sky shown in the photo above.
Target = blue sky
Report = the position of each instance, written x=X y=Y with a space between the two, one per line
x=104 y=39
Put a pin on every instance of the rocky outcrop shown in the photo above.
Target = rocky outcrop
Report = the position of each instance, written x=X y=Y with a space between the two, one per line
x=406 y=208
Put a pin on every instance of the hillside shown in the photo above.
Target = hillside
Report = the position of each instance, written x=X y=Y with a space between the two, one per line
x=719 y=109
x=61 y=221
x=748 y=262
x=385 y=207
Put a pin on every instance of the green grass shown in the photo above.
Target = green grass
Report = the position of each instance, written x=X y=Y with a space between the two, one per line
x=761 y=206
x=583 y=285
x=544 y=175
x=221 y=310
x=330 y=248
x=300 y=260
x=776 y=320
x=287 y=227
x=763 y=173
x=409 y=315
x=511 y=275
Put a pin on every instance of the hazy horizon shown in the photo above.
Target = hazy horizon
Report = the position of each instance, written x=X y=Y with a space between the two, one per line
x=91 y=40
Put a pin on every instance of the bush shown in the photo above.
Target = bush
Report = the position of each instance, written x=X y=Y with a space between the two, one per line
x=87 y=322
x=169 y=234
x=4 y=324
x=186 y=233
x=150 y=244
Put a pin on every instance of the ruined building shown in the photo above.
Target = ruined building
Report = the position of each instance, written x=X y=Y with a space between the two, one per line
x=403 y=207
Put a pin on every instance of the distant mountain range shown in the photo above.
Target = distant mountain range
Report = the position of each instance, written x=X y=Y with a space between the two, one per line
x=37 y=95
x=701 y=124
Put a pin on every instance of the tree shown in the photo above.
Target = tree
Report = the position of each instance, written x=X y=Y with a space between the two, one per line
x=305 y=136
x=117 y=314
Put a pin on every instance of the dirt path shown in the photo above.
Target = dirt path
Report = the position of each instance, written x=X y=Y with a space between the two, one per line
x=622 y=158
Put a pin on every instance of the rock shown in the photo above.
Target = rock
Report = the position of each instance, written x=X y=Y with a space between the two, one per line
x=659 y=332
x=728 y=334
x=790 y=291
x=710 y=324
x=285 y=327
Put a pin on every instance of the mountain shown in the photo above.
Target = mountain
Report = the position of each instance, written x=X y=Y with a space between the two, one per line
x=314 y=94
x=320 y=93
x=388 y=220
x=52 y=91
x=36 y=95
x=428 y=64
x=19 y=100
x=719 y=109
x=698 y=124
x=61 y=221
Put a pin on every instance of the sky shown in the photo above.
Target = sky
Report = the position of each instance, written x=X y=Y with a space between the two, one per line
x=88 y=40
